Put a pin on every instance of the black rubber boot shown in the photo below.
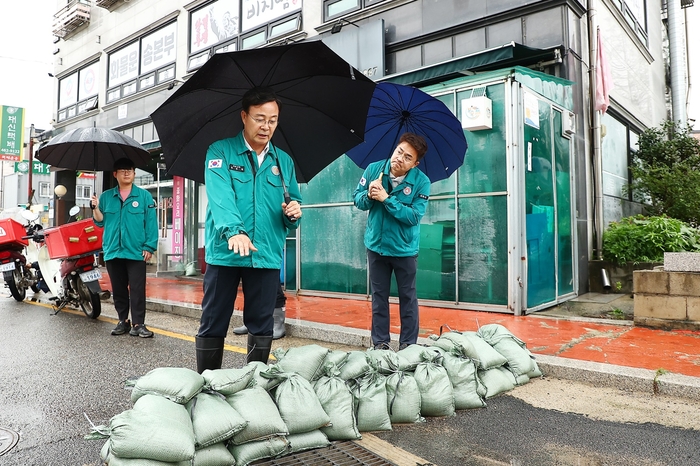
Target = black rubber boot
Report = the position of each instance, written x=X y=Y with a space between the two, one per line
x=258 y=348
x=210 y=353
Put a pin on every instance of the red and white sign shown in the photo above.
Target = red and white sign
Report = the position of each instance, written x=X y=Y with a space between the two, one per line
x=178 y=216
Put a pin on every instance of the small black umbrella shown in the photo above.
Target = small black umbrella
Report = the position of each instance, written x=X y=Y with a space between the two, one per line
x=91 y=149
x=324 y=106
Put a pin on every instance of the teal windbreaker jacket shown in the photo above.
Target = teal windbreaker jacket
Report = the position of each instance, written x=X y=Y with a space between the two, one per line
x=393 y=226
x=243 y=200
x=131 y=226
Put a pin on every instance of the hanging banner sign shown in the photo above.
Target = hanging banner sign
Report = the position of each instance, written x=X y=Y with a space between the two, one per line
x=11 y=133
x=178 y=216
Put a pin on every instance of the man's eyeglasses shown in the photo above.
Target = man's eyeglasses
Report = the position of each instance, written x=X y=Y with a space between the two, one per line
x=124 y=171
x=262 y=122
x=405 y=156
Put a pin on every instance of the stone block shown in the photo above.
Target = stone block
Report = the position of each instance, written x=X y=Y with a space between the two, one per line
x=651 y=282
x=684 y=283
x=682 y=261
x=694 y=309
x=660 y=307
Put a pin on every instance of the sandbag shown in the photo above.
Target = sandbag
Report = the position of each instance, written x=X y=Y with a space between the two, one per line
x=307 y=441
x=476 y=348
x=303 y=360
x=356 y=366
x=263 y=382
x=213 y=455
x=535 y=372
x=298 y=404
x=385 y=361
x=338 y=402
x=260 y=449
x=520 y=360
x=497 y=380
x=371 y=402
x=259 y=410
x=412 y=355
x=435 y=388
x=336 y=357
x=403 y=398
x=155 y=428
x=228 y=381
x=112 y=460
x=467 y=389
x=213 y=420
x=177 y=384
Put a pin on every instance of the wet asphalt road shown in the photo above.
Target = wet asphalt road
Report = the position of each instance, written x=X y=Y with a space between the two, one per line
x=55 y=370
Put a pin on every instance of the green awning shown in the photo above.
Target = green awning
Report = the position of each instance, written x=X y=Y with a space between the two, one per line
x=505 y=56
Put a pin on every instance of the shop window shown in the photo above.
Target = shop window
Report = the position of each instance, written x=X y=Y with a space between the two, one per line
x=142 y=64
x=254 y=39
x=83 y=192
x=45 y=189
x=333 y=9
x=77 y=92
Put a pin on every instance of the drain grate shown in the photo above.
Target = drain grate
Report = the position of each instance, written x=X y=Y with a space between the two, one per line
x=338 y=454
x=8 y=439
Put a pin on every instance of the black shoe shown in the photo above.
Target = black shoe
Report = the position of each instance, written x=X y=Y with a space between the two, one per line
x=403 y=346
x=140 y=331
x=382 y=346
x=122 y=327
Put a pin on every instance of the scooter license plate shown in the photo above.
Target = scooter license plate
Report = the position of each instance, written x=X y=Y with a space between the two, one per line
x=7 y=267
x=91 y=276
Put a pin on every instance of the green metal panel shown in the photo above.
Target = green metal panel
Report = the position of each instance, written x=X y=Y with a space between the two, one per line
x=333 y=255
x=335 y=183
x=565 y=247
x=290 y=263
x=483 y=250
x=539 y=208
x=435 y=278
x=484 y=168
x=446 y=186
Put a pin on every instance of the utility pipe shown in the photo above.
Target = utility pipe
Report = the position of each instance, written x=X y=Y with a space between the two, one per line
x=676 y=45
x=598 y=220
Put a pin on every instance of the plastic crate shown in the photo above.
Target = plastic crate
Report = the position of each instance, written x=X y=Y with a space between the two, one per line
x=73 y=239
x=11 y=232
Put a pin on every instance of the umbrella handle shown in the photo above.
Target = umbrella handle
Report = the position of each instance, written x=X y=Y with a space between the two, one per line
x=380 y=176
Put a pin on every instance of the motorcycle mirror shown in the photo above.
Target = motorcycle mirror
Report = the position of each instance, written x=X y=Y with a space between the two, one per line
x=29 y=215
x=74 y=211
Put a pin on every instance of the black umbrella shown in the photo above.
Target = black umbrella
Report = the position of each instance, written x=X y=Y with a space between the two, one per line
x=92 y=149
x=324 y=106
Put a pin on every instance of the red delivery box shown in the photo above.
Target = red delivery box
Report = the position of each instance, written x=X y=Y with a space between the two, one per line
x=11 y=232
x=73 y=239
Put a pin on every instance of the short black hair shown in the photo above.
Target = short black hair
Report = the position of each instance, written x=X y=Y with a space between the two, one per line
x=258 y=96
x=417 y=142
x=123 y=164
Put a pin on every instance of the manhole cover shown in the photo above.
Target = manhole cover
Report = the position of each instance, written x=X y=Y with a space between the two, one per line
x=338 y=454
x=8 y=439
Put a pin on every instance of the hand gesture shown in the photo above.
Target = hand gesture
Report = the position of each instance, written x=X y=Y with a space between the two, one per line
x=241 y=244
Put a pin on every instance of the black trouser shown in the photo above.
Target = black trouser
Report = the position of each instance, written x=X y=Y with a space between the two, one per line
x=128 y=278
x=380 y=270
x=281 y=298
x=260 y=288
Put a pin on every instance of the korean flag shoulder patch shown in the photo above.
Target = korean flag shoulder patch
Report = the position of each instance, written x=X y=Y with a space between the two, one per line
x=363 y=181
x=215 y=163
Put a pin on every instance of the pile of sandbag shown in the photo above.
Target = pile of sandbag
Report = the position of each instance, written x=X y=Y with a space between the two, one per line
x=311 y=396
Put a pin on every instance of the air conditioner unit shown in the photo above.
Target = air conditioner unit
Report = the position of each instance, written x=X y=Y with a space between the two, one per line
x=568 y=124
x=476 y=111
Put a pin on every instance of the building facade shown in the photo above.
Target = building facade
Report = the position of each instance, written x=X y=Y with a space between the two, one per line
x=489 y=231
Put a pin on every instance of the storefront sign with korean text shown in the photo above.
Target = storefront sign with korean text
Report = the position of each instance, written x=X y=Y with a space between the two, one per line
x=12 y=132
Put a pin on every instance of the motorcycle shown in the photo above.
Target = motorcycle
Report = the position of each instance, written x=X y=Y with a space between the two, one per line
x=69 y=266
x=14 y=252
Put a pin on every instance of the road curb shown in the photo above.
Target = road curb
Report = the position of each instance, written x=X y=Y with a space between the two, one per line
x=593 y=373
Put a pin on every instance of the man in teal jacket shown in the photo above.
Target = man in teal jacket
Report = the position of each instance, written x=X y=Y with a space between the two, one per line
x=130 y=237
x=247 y=179
x=396 y=196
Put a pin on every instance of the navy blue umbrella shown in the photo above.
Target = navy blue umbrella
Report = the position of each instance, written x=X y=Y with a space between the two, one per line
x=396 y=109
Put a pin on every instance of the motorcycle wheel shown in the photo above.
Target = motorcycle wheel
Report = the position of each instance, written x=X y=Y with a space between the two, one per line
x=89 y=301
x=12 y=279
